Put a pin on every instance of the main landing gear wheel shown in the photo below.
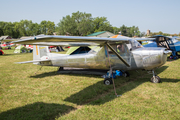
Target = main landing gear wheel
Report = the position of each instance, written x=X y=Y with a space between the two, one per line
x=107 y=81
x=61 y=69
x=155 y=79
x=125 y=74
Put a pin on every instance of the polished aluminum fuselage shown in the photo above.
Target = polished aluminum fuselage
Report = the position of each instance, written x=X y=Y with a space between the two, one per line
x=140 y=58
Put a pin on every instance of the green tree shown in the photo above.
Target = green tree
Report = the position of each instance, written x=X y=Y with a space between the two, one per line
x=2 y=24
x=8 y=29
x=46 y=25
x=129 y=31
x=116 y=30
x=84 y=22
x=102 y=24
x=77 y=24
x=24 y=28
x=49 y=32
x=123 y=30
x=67 y=25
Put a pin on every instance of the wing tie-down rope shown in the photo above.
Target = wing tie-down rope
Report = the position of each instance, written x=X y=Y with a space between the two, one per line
x=111 y=72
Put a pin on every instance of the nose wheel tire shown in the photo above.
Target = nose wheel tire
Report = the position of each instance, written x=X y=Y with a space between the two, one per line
x=107 y=81
x=155 y=79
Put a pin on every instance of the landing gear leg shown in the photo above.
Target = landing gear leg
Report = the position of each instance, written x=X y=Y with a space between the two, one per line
x=155 y=78
x=108 y=79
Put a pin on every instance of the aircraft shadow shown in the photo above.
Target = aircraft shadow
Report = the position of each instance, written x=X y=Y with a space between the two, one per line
x=54 y=73
x=36 y=111
x=99 y=93
x=14 y=54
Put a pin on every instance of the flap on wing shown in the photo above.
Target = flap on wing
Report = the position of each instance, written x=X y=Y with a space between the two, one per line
x=31 y=61
x=65 y=44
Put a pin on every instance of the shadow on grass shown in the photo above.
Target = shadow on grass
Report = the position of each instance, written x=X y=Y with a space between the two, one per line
x=46 y=74
x=54 y=73
x=36 y=111
x=14 y=54
x=99 y=93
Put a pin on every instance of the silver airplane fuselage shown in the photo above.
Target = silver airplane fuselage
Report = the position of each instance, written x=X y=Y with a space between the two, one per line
x=140 y=58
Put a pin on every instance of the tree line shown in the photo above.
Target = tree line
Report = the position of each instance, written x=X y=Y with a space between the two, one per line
x=161 y=33
x=26 y=28
x=77 y=24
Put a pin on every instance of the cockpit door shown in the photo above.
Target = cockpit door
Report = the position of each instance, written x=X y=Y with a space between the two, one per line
x=122 y=50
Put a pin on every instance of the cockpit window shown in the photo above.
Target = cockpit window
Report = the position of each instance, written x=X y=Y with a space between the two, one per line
x=94 y=49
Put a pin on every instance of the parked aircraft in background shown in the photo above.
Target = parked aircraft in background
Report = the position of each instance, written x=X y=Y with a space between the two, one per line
x=7 y=43
x=161 y=41
x=170 y=43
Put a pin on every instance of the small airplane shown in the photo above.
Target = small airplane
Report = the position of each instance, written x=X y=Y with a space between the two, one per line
x=7 y=43
x=170 y=43
x=108 y=53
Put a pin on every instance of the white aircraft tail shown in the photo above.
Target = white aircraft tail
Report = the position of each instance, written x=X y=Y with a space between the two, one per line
x=40 y=56
x=40 y=52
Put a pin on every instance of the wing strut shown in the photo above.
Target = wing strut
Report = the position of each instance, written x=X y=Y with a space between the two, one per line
x=109 y=46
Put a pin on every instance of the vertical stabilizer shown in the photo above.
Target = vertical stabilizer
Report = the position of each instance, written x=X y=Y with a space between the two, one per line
x=40 y=52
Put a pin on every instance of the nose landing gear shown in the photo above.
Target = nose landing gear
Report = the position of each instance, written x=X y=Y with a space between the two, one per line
x=155 y=78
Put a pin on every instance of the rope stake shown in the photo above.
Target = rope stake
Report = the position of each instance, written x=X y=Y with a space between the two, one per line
x=111 y=72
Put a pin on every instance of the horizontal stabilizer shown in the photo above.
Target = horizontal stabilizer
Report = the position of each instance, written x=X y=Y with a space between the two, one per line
x=32 y=61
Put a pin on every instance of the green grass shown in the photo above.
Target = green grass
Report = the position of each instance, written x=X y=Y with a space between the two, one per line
x=48 y=95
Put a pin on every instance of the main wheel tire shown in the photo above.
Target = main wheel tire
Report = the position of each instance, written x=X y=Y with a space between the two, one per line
x=155 y=79
x=125 y=74
x=107 y=81
x=61 y=69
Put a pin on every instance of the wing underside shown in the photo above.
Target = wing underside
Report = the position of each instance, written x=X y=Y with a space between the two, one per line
x=69 y=40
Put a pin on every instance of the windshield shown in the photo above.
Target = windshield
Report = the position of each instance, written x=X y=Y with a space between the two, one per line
x=135 y=44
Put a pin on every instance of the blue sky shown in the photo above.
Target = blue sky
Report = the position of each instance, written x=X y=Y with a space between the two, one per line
x=156 y=15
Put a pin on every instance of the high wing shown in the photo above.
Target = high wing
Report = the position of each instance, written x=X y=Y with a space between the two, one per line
x=49 y=40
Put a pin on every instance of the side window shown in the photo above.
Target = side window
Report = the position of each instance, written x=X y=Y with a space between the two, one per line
x=122 y=49
x=111 y=52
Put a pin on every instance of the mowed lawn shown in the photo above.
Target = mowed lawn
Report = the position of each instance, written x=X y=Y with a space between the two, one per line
x=26 y=93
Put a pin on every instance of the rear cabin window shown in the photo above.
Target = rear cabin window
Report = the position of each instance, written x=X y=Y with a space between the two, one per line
x=81 y=50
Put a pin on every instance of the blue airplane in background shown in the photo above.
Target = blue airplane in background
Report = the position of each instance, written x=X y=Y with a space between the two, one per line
x=170 y=43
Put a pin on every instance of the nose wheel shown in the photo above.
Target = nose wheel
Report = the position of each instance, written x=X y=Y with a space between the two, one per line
x=155 y=78
x=108 y=81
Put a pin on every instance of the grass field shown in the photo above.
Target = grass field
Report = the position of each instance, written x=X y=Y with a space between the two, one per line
x=47 y=95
